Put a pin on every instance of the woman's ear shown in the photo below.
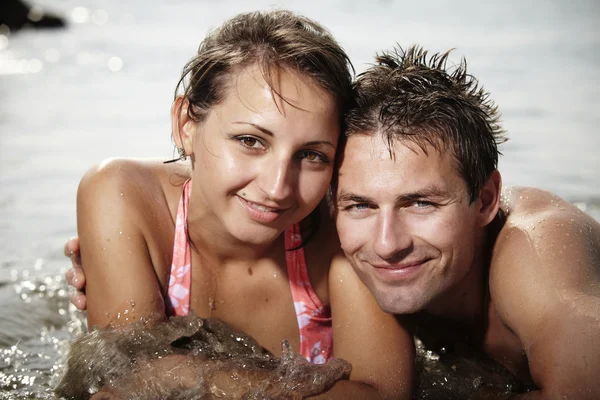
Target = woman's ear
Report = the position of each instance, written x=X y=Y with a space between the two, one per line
x=489 y=198
x=182 y=126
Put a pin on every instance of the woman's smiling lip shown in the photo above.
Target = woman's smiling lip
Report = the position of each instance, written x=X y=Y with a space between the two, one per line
x=260 y=212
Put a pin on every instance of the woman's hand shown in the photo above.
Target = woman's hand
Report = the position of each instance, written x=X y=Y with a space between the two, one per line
x=75 y=276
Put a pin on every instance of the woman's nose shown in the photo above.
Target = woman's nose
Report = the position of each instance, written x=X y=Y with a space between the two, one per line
x=278 y=179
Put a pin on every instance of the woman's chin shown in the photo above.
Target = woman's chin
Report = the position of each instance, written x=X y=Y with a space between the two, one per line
x=253 y=235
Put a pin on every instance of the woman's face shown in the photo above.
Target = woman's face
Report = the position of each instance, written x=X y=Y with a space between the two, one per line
x=264 y=160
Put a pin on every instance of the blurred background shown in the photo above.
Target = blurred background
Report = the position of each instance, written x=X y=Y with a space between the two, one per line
x=102 y=85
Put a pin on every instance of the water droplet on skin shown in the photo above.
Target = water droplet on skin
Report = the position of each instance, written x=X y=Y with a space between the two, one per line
x=132 y=303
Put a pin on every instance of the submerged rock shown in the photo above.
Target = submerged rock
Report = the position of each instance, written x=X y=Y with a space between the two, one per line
x=188 y=358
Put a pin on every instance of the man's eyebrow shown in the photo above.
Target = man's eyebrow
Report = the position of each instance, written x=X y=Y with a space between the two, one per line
x=350 y=197
x=260 y=128
x=427 y=192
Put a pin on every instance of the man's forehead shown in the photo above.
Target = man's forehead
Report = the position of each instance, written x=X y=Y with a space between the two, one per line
x=375 y=146
x=371 y=164
x=369 y=160
x=370 y=145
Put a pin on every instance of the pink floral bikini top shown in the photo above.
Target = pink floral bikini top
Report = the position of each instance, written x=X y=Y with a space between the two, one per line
x=314 y=319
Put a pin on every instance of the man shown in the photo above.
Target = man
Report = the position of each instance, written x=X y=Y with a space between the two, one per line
x=420 y=217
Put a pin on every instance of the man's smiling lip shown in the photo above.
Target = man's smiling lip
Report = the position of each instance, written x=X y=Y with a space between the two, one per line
x=398 y=272
x=403 y=265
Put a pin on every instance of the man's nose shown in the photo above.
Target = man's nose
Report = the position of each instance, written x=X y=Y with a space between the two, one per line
x=278 y=178
x=392 y=242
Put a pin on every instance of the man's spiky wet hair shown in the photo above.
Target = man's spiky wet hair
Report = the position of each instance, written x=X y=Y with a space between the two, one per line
x=413 y=96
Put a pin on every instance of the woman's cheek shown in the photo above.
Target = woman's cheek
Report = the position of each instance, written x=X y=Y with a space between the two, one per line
x=313 y=187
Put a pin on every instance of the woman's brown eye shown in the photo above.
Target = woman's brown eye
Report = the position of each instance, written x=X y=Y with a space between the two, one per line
x=314 y=157
x=248 y=141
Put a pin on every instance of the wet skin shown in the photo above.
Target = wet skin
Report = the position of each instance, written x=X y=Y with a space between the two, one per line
x=525 y=290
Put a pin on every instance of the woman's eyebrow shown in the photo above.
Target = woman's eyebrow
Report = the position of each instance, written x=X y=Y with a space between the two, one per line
x=319 y=142
x=260 y=128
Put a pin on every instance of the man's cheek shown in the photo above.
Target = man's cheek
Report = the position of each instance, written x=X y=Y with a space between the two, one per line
x=351 y=237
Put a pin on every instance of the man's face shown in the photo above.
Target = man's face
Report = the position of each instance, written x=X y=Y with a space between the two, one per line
x=405 y=222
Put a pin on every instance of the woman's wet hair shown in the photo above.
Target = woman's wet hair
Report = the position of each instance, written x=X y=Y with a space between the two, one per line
x=409 y=96
x=272 y=40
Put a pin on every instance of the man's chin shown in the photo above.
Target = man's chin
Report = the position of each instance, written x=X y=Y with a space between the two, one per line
x=397 y=304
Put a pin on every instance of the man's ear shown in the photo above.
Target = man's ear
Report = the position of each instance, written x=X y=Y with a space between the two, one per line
x=489 y=199
x=182 y=126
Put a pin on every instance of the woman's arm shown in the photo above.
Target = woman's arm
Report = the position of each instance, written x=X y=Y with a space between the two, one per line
x=121 y=282
x=378 y=345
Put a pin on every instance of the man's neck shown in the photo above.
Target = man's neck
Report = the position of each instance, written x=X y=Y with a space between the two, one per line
x=467 y=302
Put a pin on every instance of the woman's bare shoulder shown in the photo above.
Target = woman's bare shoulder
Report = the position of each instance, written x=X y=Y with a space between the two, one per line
x=136 y=179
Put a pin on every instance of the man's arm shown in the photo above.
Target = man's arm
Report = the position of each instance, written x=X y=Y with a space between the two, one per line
x=379 y=347
x=545 y=282
x=74 y=276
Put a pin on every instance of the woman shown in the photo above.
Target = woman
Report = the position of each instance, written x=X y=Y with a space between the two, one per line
x=235 y=233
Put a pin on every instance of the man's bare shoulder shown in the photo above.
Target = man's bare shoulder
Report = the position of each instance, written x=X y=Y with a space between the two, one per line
x=546 y=220
x=544 y=285
x=522 y=202
x=545 y=244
